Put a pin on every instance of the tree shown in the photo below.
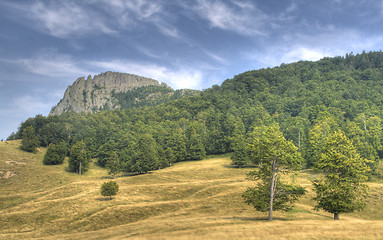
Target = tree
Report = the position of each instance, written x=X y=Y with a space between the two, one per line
x=30 y=140
x=79 y=158
x=55 y=154
x=360 y=140
x=275 y=156
x=113 y=164
x=342 y=189
x=104 y=152
x=144 y=155
x=240 y=156
x=325 y=125
x=109 y=189
x=195 y=149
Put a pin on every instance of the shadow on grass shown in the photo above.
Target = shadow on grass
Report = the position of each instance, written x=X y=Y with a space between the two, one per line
x=127 y=174
x=296 y=210
x=108 y=177
x=237 y=167
x=256 y=219
x=104 y=199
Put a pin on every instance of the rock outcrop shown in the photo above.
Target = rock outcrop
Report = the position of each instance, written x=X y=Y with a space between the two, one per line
x=95 y=94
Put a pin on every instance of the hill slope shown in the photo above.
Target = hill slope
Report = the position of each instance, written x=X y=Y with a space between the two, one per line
x=190 y=200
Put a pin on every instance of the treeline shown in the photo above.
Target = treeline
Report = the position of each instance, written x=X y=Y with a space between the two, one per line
x=308 y=100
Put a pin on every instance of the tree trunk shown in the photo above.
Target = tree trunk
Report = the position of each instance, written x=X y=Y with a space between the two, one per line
x=79 y=169
x=336 y=216
x=272 y=191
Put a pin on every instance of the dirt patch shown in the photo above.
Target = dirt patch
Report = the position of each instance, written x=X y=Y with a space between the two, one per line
x=6 y=174
x=15 y=162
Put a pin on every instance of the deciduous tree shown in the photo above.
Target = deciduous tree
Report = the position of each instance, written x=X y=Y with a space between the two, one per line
x=113 y=164
x=275 y=156
x=109 y=189
x=30 y=140
x=342 y=189
x=79 y=158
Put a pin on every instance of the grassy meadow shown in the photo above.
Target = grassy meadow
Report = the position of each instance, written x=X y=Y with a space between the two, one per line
x=190 y=200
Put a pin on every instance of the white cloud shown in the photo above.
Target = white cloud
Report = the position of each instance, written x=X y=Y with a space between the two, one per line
x=49 y=63
x=61 y=19
x=143 y=9
x=242 y=17
x=168 y=29
x=328 y=42
x=179 y=78
x=216 y=57
x=70 y=18
x=150 y=52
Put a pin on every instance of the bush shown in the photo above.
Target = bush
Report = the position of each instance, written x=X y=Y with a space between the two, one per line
x=109 y=189
x=55 y=154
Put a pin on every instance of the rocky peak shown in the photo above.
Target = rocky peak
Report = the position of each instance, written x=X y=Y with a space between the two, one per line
x=94 y=94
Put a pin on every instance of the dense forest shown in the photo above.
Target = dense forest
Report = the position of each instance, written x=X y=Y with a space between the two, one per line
x=308 y=100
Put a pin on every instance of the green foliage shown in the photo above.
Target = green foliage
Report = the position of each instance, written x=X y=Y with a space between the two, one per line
x=259 y=196
x=104 y=152
x=307 y=99
x=144 y=155
x=144 y=96
x=53 y=132
x=109 y=189
x=241 y=154
x=79 y=158
x=113 y=164
x=55 y=154
x=12 y=136
x=342 y=190
x=275 y=155
x=325 y=125
x=30 y=140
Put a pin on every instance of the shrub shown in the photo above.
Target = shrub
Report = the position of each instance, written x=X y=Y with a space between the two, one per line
x=55 y=154
x=109 y=189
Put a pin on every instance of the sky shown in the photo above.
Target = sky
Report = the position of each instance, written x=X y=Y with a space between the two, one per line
x=45 y=45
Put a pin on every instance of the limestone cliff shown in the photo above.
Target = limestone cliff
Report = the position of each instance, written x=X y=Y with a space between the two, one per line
x=95 y=94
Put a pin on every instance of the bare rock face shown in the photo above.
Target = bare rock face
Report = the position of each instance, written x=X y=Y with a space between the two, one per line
x=94 y=94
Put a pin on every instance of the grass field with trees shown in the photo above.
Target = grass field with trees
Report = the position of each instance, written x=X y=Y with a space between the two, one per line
x=189 y=200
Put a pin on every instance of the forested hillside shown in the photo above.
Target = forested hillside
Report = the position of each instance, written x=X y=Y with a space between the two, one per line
x=309 y=100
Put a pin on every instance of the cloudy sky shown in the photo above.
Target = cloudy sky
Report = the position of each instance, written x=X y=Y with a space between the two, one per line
x=45 y=45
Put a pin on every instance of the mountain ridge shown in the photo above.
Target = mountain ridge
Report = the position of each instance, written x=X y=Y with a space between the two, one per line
x=103 y=92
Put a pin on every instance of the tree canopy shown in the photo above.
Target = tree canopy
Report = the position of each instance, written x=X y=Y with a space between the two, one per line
x=275 y=156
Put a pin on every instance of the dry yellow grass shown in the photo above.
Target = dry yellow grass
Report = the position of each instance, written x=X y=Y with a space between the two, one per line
x=191 y=200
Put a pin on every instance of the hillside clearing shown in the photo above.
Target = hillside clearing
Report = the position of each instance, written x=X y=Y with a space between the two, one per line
x=189 y=200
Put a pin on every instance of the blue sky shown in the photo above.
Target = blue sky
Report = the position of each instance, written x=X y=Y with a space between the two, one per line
x=45 y=45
